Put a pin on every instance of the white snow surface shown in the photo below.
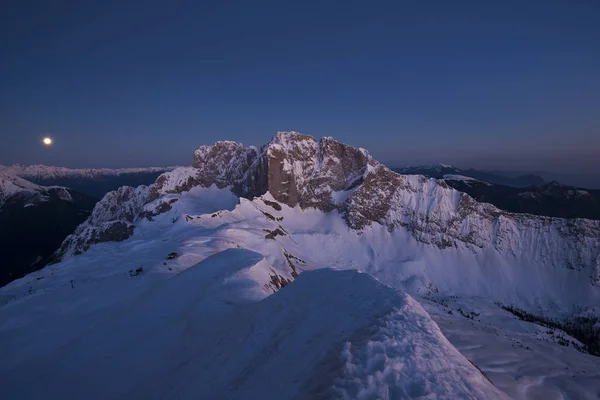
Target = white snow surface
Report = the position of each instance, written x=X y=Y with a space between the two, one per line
x=214 y=331
x=227 y=317
x=211 y=323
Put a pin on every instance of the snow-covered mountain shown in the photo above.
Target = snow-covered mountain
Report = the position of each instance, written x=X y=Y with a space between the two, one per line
x=219 y=284
x=295 y=170
x=519 y=193
x=438 y=171
x=34 y=220
x=45 y=172
x=94 y=182
x=551 y=199
x=13 y=186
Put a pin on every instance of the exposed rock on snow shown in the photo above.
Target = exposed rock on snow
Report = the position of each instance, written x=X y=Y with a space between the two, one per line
x=111 y=221
x=216 y=309
x=301 y=171
x=297 y=170
x=223 y=163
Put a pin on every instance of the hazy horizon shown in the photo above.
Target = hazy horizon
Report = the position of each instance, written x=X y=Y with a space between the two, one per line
x=507 y=86
x=589 y=177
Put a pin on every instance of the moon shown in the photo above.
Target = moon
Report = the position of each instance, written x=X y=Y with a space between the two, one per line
x=47 y=141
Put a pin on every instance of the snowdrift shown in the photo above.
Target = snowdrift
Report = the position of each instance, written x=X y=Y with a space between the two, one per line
x=205 y=334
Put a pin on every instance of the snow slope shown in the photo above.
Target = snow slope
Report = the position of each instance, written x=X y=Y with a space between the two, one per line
x=11 y=185
x=213 y=331
x=248 y=303
x=44 y=321
x=523 y=359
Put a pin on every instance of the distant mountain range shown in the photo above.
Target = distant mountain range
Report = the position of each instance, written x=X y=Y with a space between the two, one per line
x=304 y=262
x=522 y=194
x=41 y=205
x=438 y=171
x=93 y=182
x=34 y=220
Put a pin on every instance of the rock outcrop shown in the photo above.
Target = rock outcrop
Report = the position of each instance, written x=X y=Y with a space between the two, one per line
x=111 y=221
x=301 y=172
x=297 y=170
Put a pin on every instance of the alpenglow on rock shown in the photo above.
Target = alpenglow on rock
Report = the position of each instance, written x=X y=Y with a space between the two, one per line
x=297 y=170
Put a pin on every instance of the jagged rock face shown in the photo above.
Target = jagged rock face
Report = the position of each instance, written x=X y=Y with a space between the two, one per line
x=437 y=215
x=111 y=221
x=224 y=163
x=297 y=170
x=372 y=200
x=294 y=168
x=177 y=181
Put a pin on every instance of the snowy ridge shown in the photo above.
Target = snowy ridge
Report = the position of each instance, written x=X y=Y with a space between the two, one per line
x=297 y=170
x=250 y=340
x=447 y=218
x=462 y=178
x=242 y=302
x=12 y=186
x=44 y=172
x=385 y=364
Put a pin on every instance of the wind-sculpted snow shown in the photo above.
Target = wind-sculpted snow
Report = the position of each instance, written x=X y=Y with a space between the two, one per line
x=399 y=361
x=224 y=317
x=213 y=332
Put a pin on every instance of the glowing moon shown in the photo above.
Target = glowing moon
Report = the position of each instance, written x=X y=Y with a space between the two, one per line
x=47 y=141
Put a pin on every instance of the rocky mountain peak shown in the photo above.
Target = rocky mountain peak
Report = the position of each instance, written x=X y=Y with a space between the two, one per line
x=291 y=139
x=295 y=168
x=112 y=220
x=299 y=171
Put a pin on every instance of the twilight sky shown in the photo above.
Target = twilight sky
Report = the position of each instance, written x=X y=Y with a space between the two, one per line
x=487 y=84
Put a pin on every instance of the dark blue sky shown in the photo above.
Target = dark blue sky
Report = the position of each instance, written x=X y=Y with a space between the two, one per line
x=497 y=84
